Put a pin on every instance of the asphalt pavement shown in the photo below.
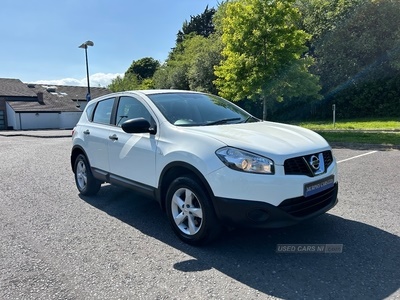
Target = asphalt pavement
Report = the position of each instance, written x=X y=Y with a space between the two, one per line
x=56 y=244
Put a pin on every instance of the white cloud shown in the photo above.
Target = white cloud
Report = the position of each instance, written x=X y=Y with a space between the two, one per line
x=98 y=79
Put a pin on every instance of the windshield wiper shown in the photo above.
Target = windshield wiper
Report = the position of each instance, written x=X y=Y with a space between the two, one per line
x=250 y=118
x=223 y=121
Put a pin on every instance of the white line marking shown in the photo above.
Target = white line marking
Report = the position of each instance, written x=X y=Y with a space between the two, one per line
x=372 y=152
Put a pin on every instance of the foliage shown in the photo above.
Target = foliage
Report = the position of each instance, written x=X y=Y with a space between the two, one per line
x=322 y=16
x=143 y=68
x=126 y=83
x=206 y=55
x=376 y=98
x=130 y=82
x=193 y=67
x=190 y=63
x=254 y=50
x=139 y=76
x=262 y=52
x=201 y=24
x=365 y=46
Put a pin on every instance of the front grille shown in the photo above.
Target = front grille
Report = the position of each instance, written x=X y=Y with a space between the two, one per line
x=300 y=165
x=302 y=206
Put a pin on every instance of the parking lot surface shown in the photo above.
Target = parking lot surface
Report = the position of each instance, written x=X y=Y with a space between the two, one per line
x=56 y=244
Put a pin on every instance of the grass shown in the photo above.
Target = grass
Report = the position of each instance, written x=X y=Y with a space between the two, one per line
x=364 y=131
x=362 y=124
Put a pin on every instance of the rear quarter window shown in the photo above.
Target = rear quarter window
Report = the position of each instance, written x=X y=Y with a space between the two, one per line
x=89 y=112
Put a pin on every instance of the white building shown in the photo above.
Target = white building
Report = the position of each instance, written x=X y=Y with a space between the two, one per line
x=40 y=106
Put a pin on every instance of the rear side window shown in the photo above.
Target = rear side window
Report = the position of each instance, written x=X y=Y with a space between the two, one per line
x=102 y=113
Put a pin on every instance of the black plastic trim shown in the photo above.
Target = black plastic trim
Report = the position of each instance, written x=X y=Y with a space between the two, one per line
x=244 y=213
x=124 y=182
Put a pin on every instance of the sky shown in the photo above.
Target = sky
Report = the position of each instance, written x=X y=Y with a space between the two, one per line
x=39 y=40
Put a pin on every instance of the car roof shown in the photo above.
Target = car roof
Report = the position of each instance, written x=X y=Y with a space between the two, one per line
x=144 y=93
x=161 y=91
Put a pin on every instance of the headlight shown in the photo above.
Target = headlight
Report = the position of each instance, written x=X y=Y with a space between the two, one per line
x=245 y=161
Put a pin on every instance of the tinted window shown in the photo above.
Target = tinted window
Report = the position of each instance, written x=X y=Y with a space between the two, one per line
x=131 y=108
x=102 y=114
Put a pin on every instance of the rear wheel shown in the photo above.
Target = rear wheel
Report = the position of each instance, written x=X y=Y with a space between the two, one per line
x=190 y=212
x=85 y=182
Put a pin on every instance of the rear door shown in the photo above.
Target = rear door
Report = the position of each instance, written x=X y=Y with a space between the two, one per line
x=96 y=133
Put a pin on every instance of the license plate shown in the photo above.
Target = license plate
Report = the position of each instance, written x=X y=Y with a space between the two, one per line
x=316 y=187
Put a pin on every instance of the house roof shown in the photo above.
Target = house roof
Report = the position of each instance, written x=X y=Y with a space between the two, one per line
x=14 y=88
x=56 y=98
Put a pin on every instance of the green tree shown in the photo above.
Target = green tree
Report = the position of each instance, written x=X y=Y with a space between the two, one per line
x=201 y=24
x=364 y=47
x=322 y=16
x=125 y=83
x=190 y=64
x=143 y=68
x=360 y=56
x=161 y=77
x=193 y=67
x=263 y=52
x=205 y=54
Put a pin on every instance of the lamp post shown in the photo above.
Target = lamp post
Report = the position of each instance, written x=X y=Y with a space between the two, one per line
x=85 y=46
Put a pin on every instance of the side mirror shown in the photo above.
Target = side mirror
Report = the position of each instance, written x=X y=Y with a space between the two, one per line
x=137 y=125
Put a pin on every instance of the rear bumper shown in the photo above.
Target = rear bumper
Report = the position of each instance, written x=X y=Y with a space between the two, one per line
x=244 y=213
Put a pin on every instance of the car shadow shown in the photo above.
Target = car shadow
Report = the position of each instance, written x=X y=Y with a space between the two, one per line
x=367 y=268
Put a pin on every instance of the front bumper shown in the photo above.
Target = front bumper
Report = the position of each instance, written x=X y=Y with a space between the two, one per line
x=244 y=213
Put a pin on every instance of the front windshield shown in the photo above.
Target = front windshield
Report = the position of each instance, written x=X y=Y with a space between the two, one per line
x=192 y=109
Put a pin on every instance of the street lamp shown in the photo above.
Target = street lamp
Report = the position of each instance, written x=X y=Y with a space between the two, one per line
x=84 y=46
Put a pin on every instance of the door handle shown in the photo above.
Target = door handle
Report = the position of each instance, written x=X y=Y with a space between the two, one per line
x=113 y=137
x=86 y=131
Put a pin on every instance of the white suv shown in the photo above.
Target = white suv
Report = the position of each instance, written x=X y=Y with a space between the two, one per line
x=207 y=162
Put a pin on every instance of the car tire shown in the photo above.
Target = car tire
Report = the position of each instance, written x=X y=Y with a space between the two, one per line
x=191 y=213
x=84 y=179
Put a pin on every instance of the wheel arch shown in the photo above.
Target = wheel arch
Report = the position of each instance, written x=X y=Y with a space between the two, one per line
x=76 y=150
x=175 y=170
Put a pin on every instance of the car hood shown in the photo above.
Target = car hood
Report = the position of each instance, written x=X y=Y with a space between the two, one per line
x=274 y=140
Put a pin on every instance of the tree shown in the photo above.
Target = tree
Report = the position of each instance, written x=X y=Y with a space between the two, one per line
x=190 y=65
x=126 y=83
x=201 y=24
x=322 y=16
x=360 y=56
x=193 y=67
x=130 y=82
x=143 y=68
x=365 y=46
x=206 y=54
x=263 y=52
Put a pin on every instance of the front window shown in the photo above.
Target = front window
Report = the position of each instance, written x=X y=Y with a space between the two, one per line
x=131 y=108
x=190 y=109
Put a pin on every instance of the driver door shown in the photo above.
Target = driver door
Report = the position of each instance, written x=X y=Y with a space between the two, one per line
x=132 y=156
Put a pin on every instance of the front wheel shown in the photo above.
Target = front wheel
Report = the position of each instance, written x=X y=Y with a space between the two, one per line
x=190 y=212
x=84 y=179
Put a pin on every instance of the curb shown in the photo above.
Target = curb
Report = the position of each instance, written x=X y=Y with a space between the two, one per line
x=37 y=136
x=38 y=133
